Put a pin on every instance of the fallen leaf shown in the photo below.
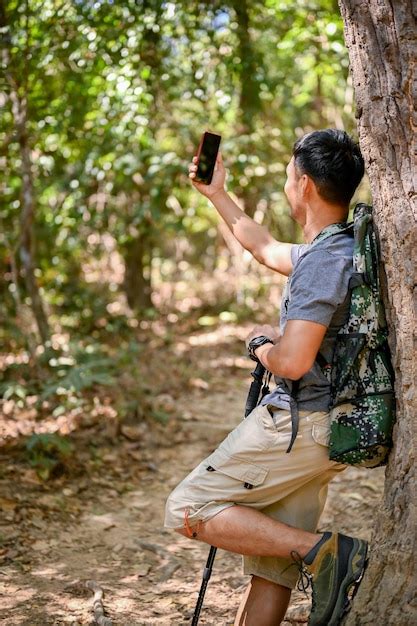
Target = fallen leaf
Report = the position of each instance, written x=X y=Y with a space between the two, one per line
x=371 y=486
x=143 y=570
x=357 y=496
x=199 y=383
x=38 y=522
x=134 y=433
x=40 y=545
x=7 y=504
x=118 y=548
x=101 y=522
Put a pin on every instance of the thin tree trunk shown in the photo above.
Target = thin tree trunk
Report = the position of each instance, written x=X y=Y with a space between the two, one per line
x=381 y=37
x=26 y=243
x=27 y=252
x=137 y=285
x=250 y=104
x=137 y=252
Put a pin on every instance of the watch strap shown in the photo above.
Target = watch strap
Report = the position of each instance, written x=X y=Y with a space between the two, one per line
x=255 y=343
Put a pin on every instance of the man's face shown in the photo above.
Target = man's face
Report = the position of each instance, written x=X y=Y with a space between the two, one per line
x=292 y=190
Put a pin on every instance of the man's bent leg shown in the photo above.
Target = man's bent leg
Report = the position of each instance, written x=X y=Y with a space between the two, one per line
x=263 y=604
x=301 y=509
x=221 y=502
x=251 y=468
x=245 y=530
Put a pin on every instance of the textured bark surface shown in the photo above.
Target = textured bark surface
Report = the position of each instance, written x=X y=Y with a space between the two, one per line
x=136 y=284
x=381 y=38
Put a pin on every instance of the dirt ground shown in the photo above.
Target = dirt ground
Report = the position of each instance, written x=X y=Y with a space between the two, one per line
x=105 y=526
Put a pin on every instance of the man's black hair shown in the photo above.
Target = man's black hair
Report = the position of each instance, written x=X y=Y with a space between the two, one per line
x=333 y=161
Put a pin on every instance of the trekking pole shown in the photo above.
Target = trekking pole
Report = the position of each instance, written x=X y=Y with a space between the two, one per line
x=206 y=577
x=251 y=403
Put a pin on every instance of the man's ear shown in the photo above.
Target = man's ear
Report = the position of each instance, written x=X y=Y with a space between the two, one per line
x=307 y=185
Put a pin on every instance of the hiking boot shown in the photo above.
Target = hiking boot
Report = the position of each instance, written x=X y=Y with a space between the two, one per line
x=335 y=568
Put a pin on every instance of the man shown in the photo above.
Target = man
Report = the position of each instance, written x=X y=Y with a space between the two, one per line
x=262 y=491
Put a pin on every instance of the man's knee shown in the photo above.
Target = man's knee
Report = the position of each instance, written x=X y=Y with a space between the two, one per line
x=177 y=513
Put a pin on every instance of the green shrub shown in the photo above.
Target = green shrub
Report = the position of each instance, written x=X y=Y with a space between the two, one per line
x=47 y=453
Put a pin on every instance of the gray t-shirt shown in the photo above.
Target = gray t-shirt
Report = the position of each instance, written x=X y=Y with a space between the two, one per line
x=317 y=290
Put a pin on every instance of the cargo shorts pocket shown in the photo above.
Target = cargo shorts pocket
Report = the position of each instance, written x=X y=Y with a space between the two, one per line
x=237 y=468
x=321 y=430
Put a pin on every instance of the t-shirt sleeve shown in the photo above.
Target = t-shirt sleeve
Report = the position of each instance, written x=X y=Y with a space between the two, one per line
x=319 y=284
x=296 y=251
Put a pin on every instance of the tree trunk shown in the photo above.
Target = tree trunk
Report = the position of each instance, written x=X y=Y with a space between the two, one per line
x=380 y=36
x=137 y=285
x=138 y=251
x=27 y=251
x=250 y=104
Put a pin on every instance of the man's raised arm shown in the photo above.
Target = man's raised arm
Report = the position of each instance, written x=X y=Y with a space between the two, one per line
x=252 y=236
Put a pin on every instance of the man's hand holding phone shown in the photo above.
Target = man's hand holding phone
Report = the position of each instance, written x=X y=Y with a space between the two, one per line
x=217 y=182
x=207 y=170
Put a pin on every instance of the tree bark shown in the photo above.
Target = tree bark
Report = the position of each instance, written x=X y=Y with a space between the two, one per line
x=137 y=285
x=250 y=104
x=27 y=248
x=138 y=251
x=381 y=37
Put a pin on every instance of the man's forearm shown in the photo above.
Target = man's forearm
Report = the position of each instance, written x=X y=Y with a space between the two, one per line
x=264 y=354
x=275 y=360
x=250 y=234
x=293 y=353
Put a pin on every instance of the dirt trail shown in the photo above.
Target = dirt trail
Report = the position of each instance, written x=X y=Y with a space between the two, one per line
x=109 y=530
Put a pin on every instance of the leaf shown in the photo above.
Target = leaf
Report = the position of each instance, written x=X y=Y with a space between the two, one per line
x=160 y=416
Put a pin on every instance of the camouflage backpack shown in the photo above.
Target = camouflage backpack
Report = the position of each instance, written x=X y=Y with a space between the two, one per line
x=362 y=406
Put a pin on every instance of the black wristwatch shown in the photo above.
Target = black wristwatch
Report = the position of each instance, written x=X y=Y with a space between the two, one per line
x=255 y=343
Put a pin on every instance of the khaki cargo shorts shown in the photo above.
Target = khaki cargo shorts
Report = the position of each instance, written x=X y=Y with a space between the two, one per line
x=251 y=468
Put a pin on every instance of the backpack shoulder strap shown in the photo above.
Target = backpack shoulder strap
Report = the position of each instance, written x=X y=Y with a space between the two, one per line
x=332 y=229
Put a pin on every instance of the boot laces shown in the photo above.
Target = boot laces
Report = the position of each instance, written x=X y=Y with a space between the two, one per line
x=306 y=580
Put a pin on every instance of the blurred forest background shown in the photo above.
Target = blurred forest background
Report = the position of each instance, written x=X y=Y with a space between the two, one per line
x=113 y=268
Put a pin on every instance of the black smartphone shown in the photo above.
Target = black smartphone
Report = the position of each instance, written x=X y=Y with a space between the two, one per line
x=207 y=155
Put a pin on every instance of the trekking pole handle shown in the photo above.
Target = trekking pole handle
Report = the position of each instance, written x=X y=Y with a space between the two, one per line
x=256 y=384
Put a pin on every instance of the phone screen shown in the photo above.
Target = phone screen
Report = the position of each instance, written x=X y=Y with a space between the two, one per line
x=207 y=155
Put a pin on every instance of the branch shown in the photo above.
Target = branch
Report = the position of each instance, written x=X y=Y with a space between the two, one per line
x=98 y=607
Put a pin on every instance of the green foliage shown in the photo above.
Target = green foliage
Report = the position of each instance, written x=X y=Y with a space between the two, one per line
x=47 y=453
x=160 y=416
x=116 y=96
x=13 y=390
x=75 y=378
x=66 y=375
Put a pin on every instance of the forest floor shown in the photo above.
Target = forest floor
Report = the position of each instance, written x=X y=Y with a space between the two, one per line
x=102 y=519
